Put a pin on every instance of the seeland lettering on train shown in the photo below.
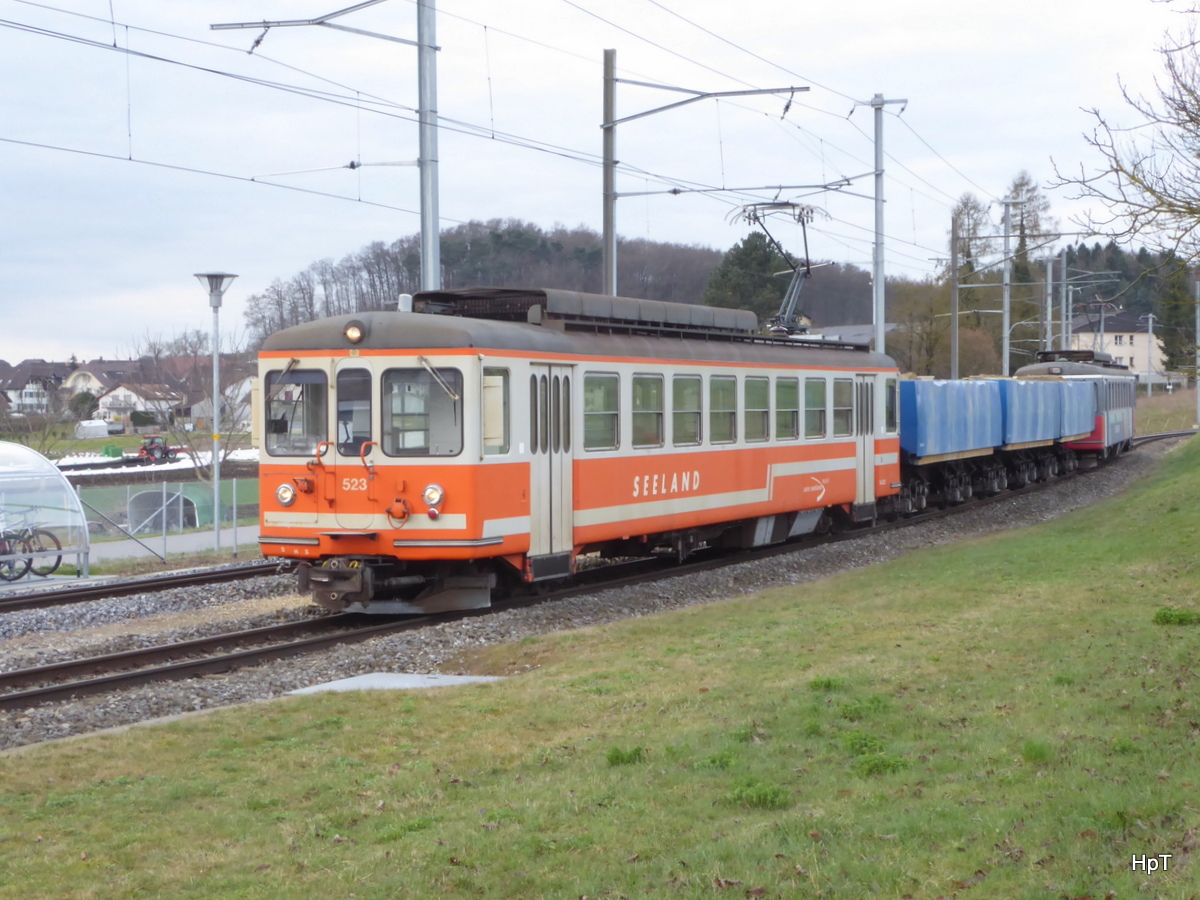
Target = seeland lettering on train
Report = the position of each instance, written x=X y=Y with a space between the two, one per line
x=659 y=485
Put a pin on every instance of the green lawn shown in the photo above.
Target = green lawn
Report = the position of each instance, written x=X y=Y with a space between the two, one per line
x=997 y=719
x=1166 y=412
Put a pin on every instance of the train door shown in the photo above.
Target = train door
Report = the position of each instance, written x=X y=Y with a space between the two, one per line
x=864 y=430
x=551 y=521
x=348 y=476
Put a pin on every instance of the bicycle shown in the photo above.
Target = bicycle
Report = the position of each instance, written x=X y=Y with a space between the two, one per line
x=42 y=544
x=13 y=562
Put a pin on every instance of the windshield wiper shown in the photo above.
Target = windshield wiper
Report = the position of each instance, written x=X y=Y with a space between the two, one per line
x=438 y=378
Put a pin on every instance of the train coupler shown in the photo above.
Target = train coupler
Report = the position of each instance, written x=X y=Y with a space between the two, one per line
x=337 y=583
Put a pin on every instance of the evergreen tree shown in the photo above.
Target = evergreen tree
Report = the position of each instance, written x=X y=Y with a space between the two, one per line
x=747 y=278
x=1177 y=318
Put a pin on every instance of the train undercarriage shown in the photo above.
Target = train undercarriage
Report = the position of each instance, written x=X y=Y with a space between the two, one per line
x=385 y=585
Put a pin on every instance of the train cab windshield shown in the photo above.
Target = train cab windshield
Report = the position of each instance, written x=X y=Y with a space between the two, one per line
x=422 y=412
x=296 y=412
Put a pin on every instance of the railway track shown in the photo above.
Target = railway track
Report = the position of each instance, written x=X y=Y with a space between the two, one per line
x=22 y=688
x=222 y=653
x=1161 y=436
x=82 y=593
x=142 y=584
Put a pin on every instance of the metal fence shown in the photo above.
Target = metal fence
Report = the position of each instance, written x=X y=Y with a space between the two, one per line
x=157 y=515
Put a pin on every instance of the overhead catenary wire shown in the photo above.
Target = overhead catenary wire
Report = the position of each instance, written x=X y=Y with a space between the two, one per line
x=736 y=46
x=445 y=123
x=831 y=90
x=377 y=105
x=655 y=44
x=392 y=104
x=193 y=170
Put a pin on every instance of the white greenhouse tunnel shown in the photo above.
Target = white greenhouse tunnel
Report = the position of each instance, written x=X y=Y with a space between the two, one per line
x=35 y=494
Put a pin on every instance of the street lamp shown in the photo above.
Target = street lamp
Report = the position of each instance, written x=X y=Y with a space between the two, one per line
x=216 y=282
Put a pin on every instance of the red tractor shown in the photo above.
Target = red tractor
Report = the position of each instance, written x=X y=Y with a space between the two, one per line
x=155 y=447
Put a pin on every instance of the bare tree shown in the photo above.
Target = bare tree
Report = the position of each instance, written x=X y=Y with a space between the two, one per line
x=183 y=365
x=1149 y=177
x=40 y=431
x=975 y=230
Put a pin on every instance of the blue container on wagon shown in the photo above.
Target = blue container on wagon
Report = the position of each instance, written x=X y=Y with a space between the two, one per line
x=1032 y=411
x=1078 y=408
x=949 y=417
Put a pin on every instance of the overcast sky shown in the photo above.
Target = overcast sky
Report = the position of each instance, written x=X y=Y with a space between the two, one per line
x=122 y=173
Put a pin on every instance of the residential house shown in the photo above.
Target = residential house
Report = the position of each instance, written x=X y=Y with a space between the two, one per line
x=102 y=375
x=1125 y=336
x=118 y=403
x=32 y=385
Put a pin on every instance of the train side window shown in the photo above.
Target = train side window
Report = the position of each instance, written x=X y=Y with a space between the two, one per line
x=843 y=407
x=353 y=410
x=544 y=413
x=566 y=414
x=722 y=409
x=756 y=412
x=601 y=412
x=686 y=410
x=495 y=412
x=648 y=399
x=787 y=409
x=533 y=416
x=891 y=408
x=556 y=413
x=296 y=412
x=422 y=412
x=814 y=407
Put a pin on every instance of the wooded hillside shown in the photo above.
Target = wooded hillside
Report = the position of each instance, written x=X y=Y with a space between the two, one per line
x=511 y=253
x=507 y=253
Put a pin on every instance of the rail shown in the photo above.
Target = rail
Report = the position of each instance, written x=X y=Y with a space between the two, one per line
x=124 y=587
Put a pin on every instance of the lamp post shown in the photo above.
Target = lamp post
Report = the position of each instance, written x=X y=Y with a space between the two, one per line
x=216 y=282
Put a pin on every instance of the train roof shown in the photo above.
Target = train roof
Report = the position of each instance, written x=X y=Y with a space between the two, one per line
x=579 y=311
x=1075 y=362
x=569 y=322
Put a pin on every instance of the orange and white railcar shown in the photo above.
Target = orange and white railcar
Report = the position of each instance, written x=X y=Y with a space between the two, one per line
x=414 y=460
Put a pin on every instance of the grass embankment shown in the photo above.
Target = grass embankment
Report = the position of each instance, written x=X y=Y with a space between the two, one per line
x=997 y=719
x=1161 y=411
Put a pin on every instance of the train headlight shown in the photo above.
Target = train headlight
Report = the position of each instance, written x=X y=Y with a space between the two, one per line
x=433 y=495
x=355 y=331
x=285 y=494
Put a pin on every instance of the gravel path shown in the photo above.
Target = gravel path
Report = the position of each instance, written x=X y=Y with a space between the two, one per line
x=40 y=636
